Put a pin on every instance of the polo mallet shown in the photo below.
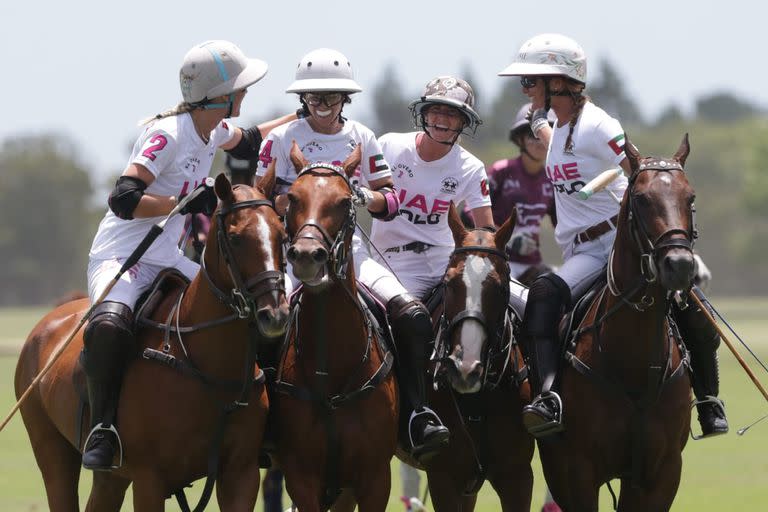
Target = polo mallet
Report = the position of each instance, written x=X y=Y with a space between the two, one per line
x=153 y=233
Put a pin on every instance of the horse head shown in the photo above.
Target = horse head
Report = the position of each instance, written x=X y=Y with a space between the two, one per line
x=658 y=211
x=474 y=321
x=321 y=218
x=243 y=258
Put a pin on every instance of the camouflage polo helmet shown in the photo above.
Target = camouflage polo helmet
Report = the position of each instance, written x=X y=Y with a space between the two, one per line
x=448 y=90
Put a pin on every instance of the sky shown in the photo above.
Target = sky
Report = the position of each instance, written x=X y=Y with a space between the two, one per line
x=90 y=70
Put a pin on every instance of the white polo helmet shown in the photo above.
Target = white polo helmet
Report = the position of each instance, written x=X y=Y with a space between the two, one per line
x=448 y=90
x=522 y=122
x=217 y=68
x=549 y=55
x=324 y=70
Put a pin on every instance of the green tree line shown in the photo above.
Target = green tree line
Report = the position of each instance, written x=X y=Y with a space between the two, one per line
x=50 y=213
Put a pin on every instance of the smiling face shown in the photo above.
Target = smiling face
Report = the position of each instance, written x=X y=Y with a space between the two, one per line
x=324 y=110
x=443 y=122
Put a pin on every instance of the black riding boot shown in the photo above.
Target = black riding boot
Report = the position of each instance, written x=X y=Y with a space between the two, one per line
x=547 y=299
x=109 y=342
x=702 y=340
x=412 y=329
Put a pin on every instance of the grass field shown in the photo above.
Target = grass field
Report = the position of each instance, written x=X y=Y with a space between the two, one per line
x=726 y=473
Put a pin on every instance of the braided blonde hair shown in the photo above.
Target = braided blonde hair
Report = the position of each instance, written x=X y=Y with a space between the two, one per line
x=181 y=108
x=579 y=100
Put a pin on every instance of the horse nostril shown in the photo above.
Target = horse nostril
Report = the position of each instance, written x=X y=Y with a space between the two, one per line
x=291 y=254
x=319 y=255
x=263 y=315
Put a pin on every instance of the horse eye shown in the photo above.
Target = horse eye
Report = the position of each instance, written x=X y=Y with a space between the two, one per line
x=235 y=239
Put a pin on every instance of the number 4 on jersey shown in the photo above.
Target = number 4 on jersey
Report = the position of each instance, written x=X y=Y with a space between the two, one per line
x=265 y=157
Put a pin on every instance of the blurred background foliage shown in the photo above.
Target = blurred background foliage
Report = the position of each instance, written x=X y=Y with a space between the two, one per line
x=51 y=203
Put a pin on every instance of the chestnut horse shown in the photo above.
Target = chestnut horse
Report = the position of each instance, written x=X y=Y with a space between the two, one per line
x=336 y=408
x=176 y=426
x=480 y=378
x=626 y=392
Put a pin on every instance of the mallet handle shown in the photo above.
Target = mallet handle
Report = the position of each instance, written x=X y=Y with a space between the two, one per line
x=598 y=183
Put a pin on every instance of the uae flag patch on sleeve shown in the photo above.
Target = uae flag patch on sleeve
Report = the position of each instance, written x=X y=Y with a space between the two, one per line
x=377 y=163
x=617 y=144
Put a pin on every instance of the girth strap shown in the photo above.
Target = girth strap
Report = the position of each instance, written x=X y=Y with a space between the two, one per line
x=189 y=370
x=336 y=401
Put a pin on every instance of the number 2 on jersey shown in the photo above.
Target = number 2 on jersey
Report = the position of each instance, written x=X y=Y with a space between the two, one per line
x=159 y=142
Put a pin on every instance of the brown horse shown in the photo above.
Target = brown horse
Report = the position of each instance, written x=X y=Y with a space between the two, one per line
x=176 y=426
x=626 y=391
x=480 y=374
x=336 y=409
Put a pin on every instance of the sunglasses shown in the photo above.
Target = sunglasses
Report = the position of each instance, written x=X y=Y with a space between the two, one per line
x=529 y=81
x=331 y=99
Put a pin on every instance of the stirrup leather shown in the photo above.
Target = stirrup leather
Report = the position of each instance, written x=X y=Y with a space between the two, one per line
x=550 y=427
x=111 y=428
x=708 y=399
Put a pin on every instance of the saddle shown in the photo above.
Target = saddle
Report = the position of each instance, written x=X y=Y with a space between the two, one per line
x=168 y=284
x=573 y=318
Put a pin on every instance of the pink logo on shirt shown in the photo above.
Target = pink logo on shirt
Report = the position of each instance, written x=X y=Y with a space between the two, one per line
x=564 y=172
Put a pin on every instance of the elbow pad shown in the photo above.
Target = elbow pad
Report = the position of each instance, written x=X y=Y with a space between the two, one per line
x=392 y=205
x=125 y=197
x=248 y=147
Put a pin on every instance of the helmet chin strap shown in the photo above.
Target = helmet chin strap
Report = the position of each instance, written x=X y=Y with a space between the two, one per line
x=229 y=105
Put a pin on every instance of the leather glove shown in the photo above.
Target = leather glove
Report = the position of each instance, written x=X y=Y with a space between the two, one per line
x=522 y=243
x=204 y=203
x=362 y=195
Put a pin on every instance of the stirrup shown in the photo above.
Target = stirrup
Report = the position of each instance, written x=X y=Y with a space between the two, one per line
x=708 y=399
x=538 y=428
x=100 y=427
x=424 y=452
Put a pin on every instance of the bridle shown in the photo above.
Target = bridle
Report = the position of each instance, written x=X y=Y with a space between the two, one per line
x=242 y=298
x=337 y=247
x=650 y=249
x=495 y=348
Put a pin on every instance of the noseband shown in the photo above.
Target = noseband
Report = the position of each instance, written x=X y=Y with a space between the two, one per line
x=494 y=347
x=649 y=249
x=242 y=298
x=335 y=246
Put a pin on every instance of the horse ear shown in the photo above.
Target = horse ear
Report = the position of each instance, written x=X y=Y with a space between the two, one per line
x=223 y=187
x=352 y=162
x=297 y=158
x=505 y=231
x=267 y=182
x=457 y=227
x=633 y=155
x=683 y=150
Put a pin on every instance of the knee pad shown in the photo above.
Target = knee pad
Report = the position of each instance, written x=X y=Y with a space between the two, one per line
x=409 y=313
x=548 y=298
x=411 y=323
x=107 y=338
